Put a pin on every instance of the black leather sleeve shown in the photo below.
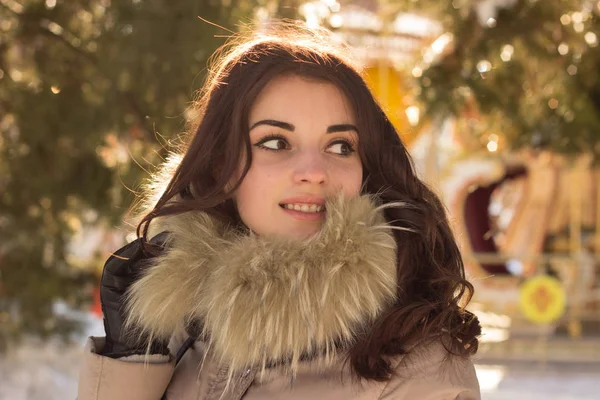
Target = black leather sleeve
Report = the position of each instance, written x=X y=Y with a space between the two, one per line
x=121 y=270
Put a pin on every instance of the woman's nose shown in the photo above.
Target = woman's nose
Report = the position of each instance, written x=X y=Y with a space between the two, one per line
x=310 y=167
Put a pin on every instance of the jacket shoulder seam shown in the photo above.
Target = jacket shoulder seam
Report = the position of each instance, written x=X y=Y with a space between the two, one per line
x=389 y=380
x=97 y=391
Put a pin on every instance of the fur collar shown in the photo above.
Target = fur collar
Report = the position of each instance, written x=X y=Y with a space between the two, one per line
x=264 y=299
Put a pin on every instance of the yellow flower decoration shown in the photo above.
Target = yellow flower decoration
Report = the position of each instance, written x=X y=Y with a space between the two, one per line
x=542 y=299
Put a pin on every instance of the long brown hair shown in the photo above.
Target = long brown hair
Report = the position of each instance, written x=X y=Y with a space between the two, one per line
x=432 y=289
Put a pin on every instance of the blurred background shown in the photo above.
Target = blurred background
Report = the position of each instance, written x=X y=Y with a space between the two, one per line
x=498 y=101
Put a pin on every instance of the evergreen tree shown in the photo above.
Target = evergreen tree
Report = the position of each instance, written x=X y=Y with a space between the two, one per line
x=87 y=90
x=524 y=70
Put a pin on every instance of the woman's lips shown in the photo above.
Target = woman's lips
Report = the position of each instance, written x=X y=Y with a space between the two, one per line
x=304 y=216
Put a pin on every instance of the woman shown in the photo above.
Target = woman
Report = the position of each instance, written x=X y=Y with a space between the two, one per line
x=295 y=254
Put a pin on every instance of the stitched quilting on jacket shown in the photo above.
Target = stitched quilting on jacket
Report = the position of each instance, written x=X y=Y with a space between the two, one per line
x=277 y=315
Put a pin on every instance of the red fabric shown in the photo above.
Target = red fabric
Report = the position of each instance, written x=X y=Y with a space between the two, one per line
x=96 y=305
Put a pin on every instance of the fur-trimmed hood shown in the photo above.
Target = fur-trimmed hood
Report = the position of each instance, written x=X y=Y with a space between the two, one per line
x=266 y=299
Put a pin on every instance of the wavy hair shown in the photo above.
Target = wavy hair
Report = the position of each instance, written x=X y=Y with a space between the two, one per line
x=432 y=289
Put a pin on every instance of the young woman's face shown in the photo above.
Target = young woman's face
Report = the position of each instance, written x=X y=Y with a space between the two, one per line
x=304 y=141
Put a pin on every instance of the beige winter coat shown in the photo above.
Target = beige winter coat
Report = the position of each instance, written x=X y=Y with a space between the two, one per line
x=277 y=315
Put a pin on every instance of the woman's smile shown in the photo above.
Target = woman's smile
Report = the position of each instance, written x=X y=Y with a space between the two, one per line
x=304 y=207
x=304 y=212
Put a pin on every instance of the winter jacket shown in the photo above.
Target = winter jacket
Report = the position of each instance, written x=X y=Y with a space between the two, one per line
x=277 y=314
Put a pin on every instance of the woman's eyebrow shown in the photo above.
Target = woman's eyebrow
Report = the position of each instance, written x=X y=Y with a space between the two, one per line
x=342 y=128
x=289 y=127
x=277 y=124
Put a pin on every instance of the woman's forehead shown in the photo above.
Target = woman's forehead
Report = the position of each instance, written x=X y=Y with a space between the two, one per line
x=296 y=98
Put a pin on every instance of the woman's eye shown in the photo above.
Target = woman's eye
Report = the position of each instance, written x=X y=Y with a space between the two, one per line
x=273 y=144
x=341 y=147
